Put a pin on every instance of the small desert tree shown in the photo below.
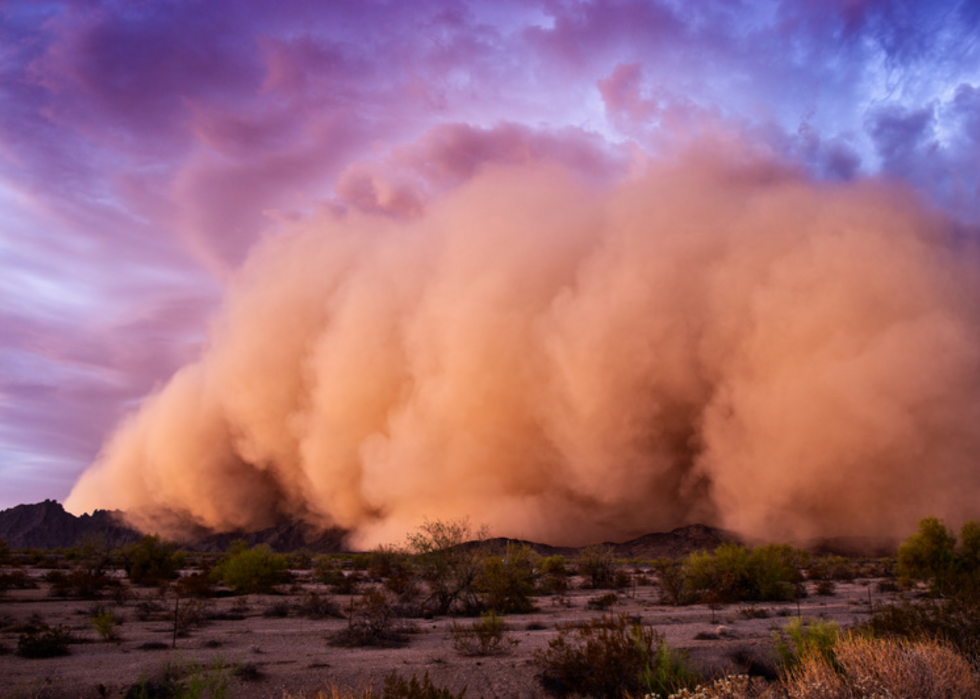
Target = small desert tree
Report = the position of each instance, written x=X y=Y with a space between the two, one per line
x=507 y=582
x=448 y=559
x=246 y=570
x=597 y=565
x=931 y=556
x=152 y=561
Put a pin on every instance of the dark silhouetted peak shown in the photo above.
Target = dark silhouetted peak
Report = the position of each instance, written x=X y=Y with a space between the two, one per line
x=46 y=525
x=675 y=544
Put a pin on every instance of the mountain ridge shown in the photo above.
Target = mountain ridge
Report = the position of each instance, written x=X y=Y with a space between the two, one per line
x=47 y=525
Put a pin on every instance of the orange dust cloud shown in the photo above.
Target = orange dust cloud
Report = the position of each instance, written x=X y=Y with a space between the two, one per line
x=719 y=339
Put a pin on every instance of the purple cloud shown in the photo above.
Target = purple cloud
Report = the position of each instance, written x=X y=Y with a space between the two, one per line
x=146 y=148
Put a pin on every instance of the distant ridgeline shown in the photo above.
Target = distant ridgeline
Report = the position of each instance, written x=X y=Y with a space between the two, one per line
x=46 y=525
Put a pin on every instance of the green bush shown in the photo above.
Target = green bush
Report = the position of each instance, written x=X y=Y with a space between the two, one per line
x=609 y=657
x=106 y=624
x=397 y=687
x=251 y=570
x=931 y=556
x=552 y=576
x=152 y=561
x=734 y=573
x=506 y=583
x=801 y=640
x=597 y=565
x=955 y=621
x=831 y=568
x=485 y=637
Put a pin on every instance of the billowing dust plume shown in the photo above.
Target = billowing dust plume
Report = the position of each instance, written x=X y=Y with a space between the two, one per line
x=718 y=340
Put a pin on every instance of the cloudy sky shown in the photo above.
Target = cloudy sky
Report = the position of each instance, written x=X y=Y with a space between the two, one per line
x=146 y=147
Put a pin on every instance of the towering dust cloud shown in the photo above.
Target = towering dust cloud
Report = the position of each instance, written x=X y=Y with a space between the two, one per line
x=715 y=340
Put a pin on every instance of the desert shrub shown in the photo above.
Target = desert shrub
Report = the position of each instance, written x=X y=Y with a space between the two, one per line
x=190 y=613
x=928 y=555
x=315 y=606
x=330 y=572
x=753 y=612
x=488 y=636
x=44 y=642
x=152 y=561
x=932 y=556
x=397 y=687
x=831 y=568
x=825 y=588
x=607 y=657
x=372 y=621
x=151 y=609
x=669 y=674
x=552 y=576
x=277 y=609
x=799 y=641
x=506 y=583
x=448 y=558
x=176 y=679
x=736 y=573
x=387 y=561
x=247 y=672
x=79 y=583
x=597 y=565
x=106 y=624
x=301 y=559
x=887 y=586
x=5 y=552
x=200 y=585
x=251 y=570
x=16 y=580
x=671 y=578
x=866 y=667
x=602 y=602
x=955 y=621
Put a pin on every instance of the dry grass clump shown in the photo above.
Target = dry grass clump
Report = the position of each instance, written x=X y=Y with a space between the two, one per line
x=865 y=668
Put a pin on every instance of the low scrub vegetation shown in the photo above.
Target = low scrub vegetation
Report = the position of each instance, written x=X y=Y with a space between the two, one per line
x=859 y=667
x=612 y=656
x=488 y=636
x=251 y=570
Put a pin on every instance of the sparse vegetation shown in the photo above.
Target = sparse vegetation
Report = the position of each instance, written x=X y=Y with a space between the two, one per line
x=106 y=624
x=869 y=667
x=800 y=640
x=611 y=656
x=488 y=636
x=152 y=561
x=44 y=642
x=931 y=556
x=448 y=558
x=372 y=621
x=251 y=570
x=597 y=566
x=506 y=583
x=735 y=573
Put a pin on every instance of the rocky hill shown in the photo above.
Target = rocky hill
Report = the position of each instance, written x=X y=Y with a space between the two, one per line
x=46 y=525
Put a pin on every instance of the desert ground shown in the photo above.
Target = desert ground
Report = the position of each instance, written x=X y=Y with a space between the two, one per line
x=261 y=646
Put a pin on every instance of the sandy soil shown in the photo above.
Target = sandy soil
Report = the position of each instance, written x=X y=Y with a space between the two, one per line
x=292 y=653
